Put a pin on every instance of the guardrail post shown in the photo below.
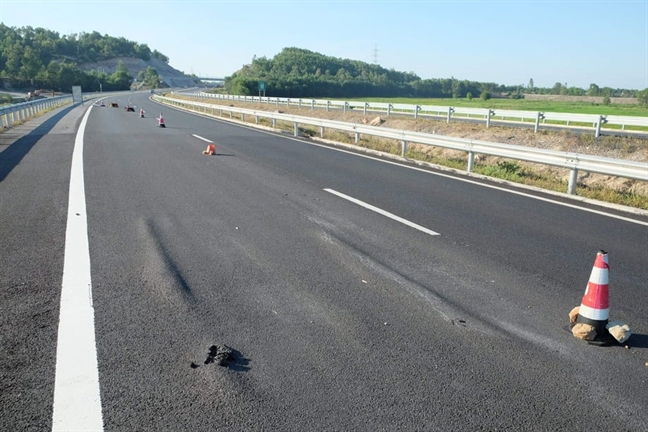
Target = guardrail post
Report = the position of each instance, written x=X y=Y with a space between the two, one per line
x=230 y=114
x=242 y=117
x=571 y=186
x=296 y=129
x=389 y=108
x=357 y=137
x=365 y=108
x=471 y=161
x=488 y=118
x=299 y=104
x=277 y=102
x=600 y=121
x=416 y=110
x=328 y=105
x=312 y=104
x=346 y=104
x=537 y=122
x=321 y=131
x=256 y=119
x=450 y=111
x=403 y=148
x=274 y=123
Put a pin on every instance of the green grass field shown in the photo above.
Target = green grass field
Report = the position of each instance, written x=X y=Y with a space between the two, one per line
x=522 y=104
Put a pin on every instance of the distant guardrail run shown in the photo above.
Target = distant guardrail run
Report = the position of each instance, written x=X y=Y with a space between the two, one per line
x=568 y=160
x=11 y=114
x=535 y=118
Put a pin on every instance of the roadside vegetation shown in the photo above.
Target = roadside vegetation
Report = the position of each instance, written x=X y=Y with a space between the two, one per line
x=40 y=58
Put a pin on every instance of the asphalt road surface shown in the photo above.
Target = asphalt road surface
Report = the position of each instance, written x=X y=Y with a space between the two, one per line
x=352 y=293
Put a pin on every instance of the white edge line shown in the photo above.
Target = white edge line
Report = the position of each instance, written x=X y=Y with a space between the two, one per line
x=204 y=139
x=383 y=212
x=77 y=398
x=402 y=164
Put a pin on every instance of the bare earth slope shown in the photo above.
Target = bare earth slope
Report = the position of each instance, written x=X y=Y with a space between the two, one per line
x=172 y=77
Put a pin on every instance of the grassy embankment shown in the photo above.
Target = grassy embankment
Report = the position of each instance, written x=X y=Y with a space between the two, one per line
x=529 y=105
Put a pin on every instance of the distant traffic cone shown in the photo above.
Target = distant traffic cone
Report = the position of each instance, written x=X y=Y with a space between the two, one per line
x=161 y=121
x=141 y=112
x=211 y=150
x=595 y=306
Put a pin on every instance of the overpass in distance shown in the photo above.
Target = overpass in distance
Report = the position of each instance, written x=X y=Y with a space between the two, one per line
x=212 y=79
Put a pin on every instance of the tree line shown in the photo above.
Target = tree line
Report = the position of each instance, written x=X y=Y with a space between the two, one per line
x=296 y=72
x=36 y=57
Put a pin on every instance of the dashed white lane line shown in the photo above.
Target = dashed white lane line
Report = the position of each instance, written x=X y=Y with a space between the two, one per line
x=77 y=400
x=383 y=212
x=204 y=139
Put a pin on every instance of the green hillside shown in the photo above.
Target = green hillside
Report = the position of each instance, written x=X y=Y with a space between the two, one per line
x=40 y=58
x=296 y=72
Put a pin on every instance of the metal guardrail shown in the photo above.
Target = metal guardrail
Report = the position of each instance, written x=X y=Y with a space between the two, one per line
x=538 y=119
x=571 y=161
x=11 y=114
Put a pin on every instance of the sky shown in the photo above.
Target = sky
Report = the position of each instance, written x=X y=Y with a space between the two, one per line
x=573 y=42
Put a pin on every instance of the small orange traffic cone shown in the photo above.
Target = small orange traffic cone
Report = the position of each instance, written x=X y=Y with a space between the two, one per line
x=211 y=150
x=595 y=306
x=161 y=121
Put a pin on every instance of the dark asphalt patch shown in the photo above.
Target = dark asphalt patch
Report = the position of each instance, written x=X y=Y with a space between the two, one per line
x=224 y=356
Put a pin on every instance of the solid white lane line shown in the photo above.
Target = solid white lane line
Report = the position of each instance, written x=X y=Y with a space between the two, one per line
x=204 y=139
x=77 y=400
x=383 y=212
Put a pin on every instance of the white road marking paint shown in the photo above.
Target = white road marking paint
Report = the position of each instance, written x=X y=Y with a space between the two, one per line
x=382 y=212
x=77 y=399
x=204 y=139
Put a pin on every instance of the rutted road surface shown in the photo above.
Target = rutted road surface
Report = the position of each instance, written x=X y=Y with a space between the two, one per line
x=237 y=291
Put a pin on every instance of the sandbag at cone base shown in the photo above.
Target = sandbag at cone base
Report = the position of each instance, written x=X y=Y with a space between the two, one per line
x=595 y=308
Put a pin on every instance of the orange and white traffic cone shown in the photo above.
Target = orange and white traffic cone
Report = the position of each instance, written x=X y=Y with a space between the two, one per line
x=595 y=306
x=161 y=121
x=141 y=112
x=211 y=150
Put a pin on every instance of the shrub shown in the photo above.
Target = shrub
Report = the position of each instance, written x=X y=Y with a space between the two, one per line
x=485 y=95
x=642 y=97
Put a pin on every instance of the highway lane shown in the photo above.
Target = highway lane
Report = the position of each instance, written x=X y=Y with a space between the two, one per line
x=34 y=181
x=341 y=318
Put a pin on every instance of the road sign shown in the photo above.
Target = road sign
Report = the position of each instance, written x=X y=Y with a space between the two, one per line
x=262 y=86
x=76 y=94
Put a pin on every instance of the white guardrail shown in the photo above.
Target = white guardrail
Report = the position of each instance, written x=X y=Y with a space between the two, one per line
x=571 y=161
x=582 y=121
x=16 y=113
